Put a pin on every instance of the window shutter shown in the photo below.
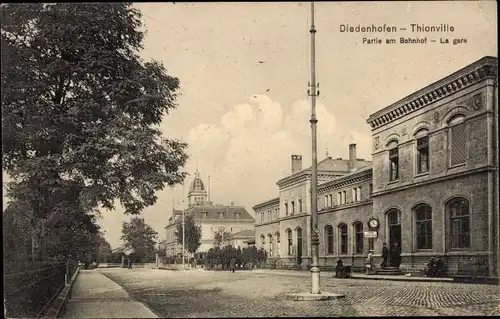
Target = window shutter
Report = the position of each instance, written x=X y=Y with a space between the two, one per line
x=458 y=140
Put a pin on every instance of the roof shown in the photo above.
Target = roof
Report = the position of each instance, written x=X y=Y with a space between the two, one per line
x=230 y=212
x=244 y=234
x=329 y=164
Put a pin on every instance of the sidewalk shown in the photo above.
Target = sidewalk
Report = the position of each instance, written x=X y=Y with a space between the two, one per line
x=328 y=274
x=96 y=296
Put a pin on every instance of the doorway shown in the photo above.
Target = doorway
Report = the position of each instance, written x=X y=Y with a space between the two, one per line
x=394 y=226
x=299 y=246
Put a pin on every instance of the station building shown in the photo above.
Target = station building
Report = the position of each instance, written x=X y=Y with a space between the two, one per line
x=431 y=188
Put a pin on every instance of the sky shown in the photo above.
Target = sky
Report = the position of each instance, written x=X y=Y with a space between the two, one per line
x=244 y=70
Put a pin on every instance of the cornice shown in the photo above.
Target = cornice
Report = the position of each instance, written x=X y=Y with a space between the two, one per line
x=304 y=176
x=466 y=77
x=345 y=206
x=269 y=202
x=345 y=181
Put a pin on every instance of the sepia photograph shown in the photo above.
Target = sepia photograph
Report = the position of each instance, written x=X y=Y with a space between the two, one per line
x=250 y=159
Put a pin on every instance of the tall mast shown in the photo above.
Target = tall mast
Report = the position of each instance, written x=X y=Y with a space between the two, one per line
x=313 y=92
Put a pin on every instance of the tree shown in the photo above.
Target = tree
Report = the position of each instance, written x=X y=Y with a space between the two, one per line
x=220 y=237
x=141 y=238
x=192 y=233
x=81 y=111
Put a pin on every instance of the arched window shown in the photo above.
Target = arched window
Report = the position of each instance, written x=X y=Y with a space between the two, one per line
x=263 y=241
x=329 y=239
x=278 y=250
x=358 y=230
x=423 y=219
x=457 y=140
x=270 y=248
x=459 y=214
x=343 y=239
x=289 y=242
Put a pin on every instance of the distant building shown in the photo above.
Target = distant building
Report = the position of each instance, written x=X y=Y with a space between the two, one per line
x=242 y=239
x=432 y=187
x=212 y=219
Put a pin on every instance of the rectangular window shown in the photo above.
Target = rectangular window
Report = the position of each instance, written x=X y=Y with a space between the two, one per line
x=344 y=197
x=293 y=207
x=423 y=155
x=300 y=205
x=371 y=188
x=358 y=193
x=326 y=201
x=339 y=201
x=261 y=217
x=460 y=232
x=343 y=239
x=458 y=142
x=394 y=164
x=354 y=198
x=286 y=209
x=330 y=199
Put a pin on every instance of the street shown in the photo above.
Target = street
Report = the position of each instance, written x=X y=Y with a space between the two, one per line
x=199 y=293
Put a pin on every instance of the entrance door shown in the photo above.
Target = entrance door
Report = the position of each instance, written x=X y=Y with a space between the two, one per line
x=299 y=246
x=394 y=225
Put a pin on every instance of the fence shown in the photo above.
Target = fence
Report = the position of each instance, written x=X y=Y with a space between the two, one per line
x=27 y=294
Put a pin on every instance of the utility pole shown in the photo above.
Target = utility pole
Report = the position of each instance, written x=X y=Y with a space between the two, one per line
x=313 y=93
x=157 y=252
x=183 y=228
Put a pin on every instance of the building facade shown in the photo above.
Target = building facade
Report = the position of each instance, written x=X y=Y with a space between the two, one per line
x=212 y=218
x=431 y=189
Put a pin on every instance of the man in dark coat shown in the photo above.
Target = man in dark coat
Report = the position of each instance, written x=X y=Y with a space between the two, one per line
x=385 y=255
x=232 y=265
x=397 y=255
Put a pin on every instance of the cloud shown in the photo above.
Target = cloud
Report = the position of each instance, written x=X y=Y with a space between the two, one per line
x=249 y=150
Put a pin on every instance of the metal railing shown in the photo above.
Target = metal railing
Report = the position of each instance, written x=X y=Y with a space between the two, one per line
x=27 y=294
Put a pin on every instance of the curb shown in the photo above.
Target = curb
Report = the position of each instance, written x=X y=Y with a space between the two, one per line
x=59 y=303
x=403 y=279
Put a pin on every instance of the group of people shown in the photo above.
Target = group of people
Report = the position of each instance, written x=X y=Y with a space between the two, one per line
x=435 y=268
x=393 y=255
x=390 y=257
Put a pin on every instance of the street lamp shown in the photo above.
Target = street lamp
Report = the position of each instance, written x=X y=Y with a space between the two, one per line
x=315 y=293
x=313 y=92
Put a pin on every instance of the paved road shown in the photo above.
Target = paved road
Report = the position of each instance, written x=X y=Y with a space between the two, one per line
x=249 y=294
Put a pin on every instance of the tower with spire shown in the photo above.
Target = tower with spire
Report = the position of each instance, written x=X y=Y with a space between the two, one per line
x=197 y=195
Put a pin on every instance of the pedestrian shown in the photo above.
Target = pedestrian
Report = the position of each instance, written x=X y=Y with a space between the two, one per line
x=397 y=255
x=232 y=265
x=440 y=267
x=430 y=271
x=385 y=255
x=339 y=269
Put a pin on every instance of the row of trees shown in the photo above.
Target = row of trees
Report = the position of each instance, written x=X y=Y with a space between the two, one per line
x=80 y=124
x=248 y=257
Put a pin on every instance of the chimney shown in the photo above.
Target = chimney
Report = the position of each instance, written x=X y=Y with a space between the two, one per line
x=352 y=157
x=296 y=163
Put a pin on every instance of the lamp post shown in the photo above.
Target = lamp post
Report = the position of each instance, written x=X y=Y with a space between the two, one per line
x=183 y=229
x=313 y=93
